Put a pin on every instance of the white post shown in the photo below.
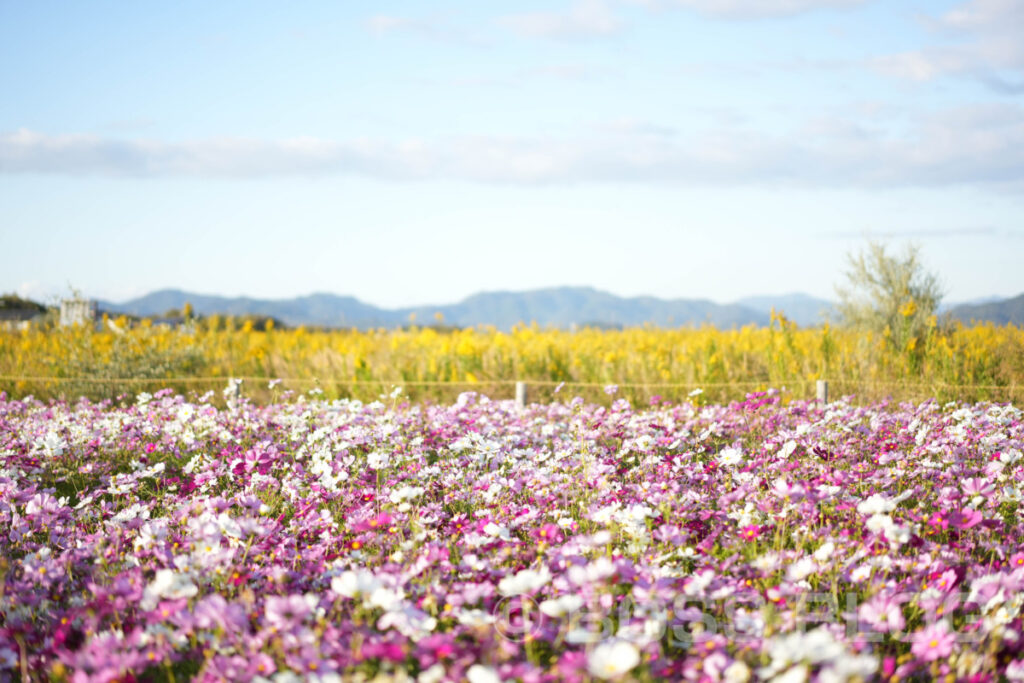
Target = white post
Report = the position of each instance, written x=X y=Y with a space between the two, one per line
x=822 y=391
x=520 y=395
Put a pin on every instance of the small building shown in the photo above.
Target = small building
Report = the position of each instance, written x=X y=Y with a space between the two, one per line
x=77 y=312
x=18 y=314
x=18 y=318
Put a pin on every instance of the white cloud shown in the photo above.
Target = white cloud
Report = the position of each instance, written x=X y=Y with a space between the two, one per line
x=926 y=233
x=553 y=72
x=628 y=126
x=586 y=18
x=35 y=290
x=986 y=15
x=988 y=47
x=980 y=145
x=754 y=9
x=433 y=27
x=382 y=23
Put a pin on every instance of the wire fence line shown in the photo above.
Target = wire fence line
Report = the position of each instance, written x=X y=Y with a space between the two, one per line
x=841 y=381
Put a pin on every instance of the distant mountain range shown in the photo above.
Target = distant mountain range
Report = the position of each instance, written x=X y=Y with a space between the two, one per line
x=559 y=307
x=999 y=312
x=803 y=309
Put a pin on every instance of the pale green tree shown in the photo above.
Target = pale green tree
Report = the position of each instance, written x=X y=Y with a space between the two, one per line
x=892 y=294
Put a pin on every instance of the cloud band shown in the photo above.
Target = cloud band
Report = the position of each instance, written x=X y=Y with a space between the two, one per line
x=979 y=145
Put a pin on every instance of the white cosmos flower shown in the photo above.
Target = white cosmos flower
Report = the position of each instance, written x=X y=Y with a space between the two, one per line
x=636 y=513
x=377 y=460
x=737 y=672
x=849 y=667
x=860 y=573
x=699 y=582
x=730 y=457
x=598 y=570
x=406 y=493
x=823 y=553
x=801 y=569
x=478 y=673
x=170 y=585
x=350 y=584
x=524 y=582
x=150 y=533
x=878 y=523
x=643 y=442
x=475 y=618
x=558 y=607
x=606 y=514
x=412 y=623
x=798 y=674
x=876 y=504
x=53 y=444
x=582 y=635
x=612 y=659
x=768 y=562
x=435 y=674
x=1014 y=670
x=386 y=598
x=498 y=531
x=814 y=646
x=748 y=623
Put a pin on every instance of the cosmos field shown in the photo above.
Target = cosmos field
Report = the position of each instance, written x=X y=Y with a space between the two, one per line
x=165 y=538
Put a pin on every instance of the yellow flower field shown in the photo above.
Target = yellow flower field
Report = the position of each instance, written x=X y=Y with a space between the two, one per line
x=968 y=363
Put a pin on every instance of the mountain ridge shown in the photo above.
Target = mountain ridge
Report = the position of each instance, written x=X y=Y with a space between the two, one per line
x=553 y=306
x=1001 y=312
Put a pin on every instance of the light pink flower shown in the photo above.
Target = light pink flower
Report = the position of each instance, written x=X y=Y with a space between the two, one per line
x=883 y=613
x=933 y=642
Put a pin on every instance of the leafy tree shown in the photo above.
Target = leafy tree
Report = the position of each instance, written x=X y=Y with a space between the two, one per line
x=13 y=301
x=889 y=293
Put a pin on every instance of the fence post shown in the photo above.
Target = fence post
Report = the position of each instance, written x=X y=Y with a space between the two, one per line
x=520 y=395
x=822 y=391
x=233 y=393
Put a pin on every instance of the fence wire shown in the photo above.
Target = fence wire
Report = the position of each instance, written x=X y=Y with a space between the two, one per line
x=500 y=382
x=262 y=389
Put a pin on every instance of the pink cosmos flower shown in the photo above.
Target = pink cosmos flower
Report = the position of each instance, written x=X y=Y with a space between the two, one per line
x=939 y=520
x=933 y=642
x=976 y=486
x=380 y=522
x=940 y=605
x=883 y=613
x=260 y=664
x=548 y=533
x=285 y=612
x=941 y=580
x=789 y=492
x=965 y=519
x=1017 y=560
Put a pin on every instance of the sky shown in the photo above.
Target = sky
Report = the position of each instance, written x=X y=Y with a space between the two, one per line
x=413 y=153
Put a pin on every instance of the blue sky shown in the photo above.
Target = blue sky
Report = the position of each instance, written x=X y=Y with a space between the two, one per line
x=410 y=153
